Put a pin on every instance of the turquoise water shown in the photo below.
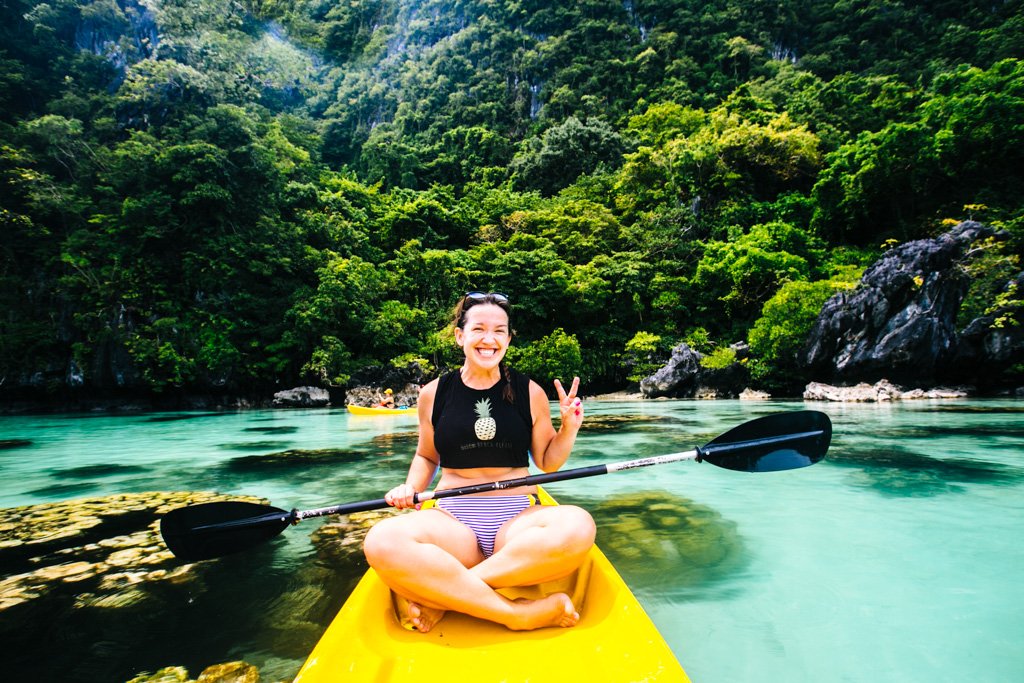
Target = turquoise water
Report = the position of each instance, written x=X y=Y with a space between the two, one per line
x=899 y=558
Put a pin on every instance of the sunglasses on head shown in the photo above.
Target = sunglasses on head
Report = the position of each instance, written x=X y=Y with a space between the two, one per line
x=486 y=297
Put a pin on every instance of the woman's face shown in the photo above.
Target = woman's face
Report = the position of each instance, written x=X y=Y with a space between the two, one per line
x=485 y=336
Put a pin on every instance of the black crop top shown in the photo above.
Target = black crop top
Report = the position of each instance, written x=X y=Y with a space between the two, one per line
x=478 y=427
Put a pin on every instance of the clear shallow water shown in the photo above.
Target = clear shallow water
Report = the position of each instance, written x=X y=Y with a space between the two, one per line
x=898 y=558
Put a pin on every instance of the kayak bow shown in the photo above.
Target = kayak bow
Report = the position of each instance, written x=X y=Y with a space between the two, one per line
x=614 y=640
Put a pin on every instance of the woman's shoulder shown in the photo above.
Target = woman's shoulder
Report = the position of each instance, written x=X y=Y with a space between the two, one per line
x=429 y=389
x=537 y=391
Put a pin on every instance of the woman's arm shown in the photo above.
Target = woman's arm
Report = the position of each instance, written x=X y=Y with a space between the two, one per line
x=424 y=464
x=551 y=449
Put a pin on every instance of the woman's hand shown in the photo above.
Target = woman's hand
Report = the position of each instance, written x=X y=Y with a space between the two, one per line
x=569 y=405
x=401 y=497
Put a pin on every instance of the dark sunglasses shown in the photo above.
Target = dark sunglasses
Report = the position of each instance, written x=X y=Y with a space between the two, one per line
x=486 y=297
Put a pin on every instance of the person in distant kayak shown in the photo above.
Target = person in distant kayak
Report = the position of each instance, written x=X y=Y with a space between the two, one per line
x=479 y=424
x=388 y=401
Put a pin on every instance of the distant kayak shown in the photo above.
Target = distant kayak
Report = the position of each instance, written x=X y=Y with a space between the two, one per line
x=376 y=410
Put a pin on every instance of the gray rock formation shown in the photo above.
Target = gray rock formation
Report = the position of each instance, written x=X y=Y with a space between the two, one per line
x=879 y=392
x=677 y=378
x=900 y=321
x=684 y=377
x=302 y=397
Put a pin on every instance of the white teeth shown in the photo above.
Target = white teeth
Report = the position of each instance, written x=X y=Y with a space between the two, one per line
x=485 y=352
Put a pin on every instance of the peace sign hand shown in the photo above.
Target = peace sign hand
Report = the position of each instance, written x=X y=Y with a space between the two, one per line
x=569 y=405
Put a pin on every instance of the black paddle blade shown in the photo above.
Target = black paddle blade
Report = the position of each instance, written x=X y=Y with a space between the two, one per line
x=785 y=441
x=208 y=530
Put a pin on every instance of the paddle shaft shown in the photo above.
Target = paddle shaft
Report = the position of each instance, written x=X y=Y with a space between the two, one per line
x=535 y=479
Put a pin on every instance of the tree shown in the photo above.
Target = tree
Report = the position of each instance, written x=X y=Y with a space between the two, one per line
x=963 y=147
x=554 y=356
x=565 y=152
x=778 y=336
x=738 y=277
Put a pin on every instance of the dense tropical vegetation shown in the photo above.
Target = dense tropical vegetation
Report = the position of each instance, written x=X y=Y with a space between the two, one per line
x=249 y=194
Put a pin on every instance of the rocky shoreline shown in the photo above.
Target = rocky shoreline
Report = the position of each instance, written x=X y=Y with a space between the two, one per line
x=879 y=392
x=406 y=395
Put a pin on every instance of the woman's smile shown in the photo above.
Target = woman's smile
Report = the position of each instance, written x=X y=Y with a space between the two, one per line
x=485 y=335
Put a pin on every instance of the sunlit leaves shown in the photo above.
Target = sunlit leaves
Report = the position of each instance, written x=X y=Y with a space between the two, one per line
x=786 y=319
x=554 y=356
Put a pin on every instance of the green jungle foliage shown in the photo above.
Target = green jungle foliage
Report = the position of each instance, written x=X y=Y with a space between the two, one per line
x=241 y=195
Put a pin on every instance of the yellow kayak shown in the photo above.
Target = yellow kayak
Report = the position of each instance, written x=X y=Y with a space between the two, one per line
x=375 y=410
x=614 y=640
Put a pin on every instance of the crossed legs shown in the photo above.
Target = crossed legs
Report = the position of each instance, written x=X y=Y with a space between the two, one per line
x=432 y=561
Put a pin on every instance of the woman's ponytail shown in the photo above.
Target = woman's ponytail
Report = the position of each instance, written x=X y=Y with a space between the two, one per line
x=508 y=393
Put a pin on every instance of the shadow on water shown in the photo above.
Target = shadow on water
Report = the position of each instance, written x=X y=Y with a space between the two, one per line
x=283 y=429
x=293 y=459
x=11 y=444
x=253 y=445
x=977 y=409
x=88 y=471
x=928 y=431
x=667 y=547
x=897 y=471
x=66 y=490
x=605 y=422
x=177 y=417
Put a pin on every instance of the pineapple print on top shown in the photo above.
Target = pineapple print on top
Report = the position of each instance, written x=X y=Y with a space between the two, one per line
x=479 y=427
x=485 y=426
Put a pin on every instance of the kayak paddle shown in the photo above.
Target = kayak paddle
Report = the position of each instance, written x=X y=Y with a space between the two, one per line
x=783 y=441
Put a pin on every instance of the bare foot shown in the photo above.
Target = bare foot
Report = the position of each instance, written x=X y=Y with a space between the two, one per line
x=424 y=618
x=414 y=616
x=554 y=610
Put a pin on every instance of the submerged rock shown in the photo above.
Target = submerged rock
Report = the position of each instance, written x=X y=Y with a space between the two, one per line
x=168 y=674
x=229 y=672
x=340 y=544
x=661 y=541
x=92 y=553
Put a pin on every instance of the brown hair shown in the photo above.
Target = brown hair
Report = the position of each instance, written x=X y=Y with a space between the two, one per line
x=471 y=299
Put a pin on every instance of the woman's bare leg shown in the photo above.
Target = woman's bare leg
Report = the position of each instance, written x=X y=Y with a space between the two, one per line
x=542 y=543
x=424 y=558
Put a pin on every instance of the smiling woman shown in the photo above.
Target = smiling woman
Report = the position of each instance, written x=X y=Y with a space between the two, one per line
x=480 y=424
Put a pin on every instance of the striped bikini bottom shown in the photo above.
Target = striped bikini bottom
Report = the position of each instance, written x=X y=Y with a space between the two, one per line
x=485 y=515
